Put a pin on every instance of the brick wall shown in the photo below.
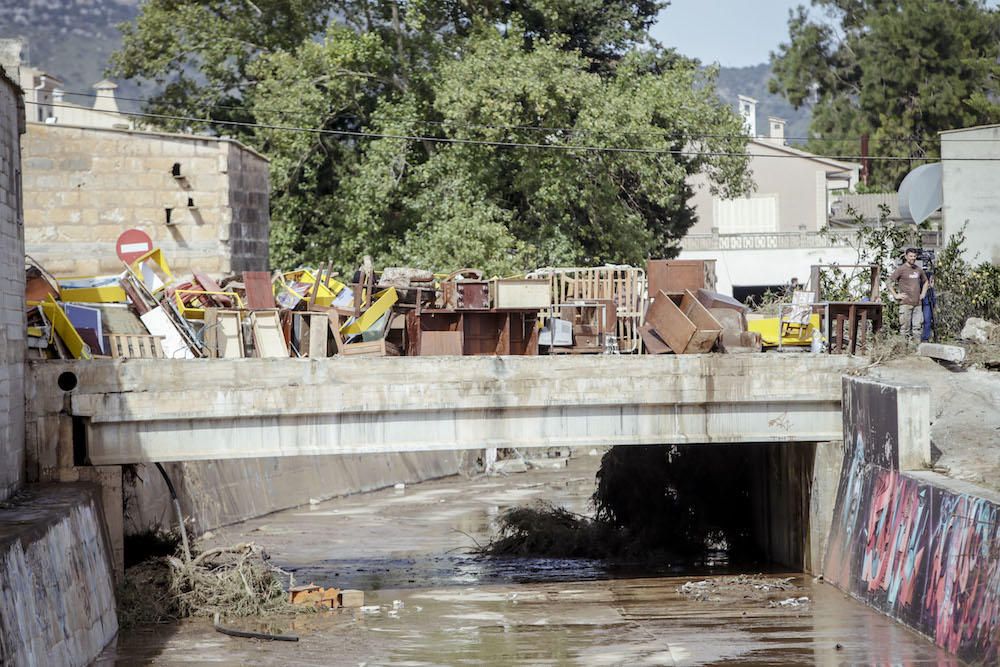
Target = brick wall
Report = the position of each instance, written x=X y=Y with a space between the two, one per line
x=12 y=332
x=84 y=186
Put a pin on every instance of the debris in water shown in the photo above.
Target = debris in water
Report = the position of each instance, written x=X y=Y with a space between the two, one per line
x=743 y=586
x=371 y=609
x=789 y=602
x=234 y=581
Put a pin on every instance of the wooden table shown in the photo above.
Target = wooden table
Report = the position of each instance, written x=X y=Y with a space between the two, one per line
x=857 y=315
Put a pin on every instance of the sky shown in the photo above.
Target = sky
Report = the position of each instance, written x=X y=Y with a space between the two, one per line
x=734 y=33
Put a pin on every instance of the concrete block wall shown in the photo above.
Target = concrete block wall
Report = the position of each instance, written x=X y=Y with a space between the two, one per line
x=249 y=193
x=57 y=604
x=914 y=545
x=12 y=325
x=83 y=186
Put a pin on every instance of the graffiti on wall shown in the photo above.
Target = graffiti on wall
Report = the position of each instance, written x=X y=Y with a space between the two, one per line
x=925 y=555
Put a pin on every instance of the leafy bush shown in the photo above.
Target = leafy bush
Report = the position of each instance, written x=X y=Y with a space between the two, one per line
x=963 y=290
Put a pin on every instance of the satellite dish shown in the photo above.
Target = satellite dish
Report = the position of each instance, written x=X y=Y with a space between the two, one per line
x=921 y=193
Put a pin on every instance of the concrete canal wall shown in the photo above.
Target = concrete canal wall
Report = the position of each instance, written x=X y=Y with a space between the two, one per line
x=216 y=493
x=913 y=544
x=57 y=604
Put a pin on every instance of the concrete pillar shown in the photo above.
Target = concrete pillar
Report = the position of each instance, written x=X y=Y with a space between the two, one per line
x=826 y=467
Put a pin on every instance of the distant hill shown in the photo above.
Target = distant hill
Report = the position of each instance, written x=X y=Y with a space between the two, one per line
x=73 y=39
x=752 y=82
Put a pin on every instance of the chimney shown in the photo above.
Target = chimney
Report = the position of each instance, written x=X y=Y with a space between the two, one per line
x=748 y=111
x=106 y=96
x=777 y=130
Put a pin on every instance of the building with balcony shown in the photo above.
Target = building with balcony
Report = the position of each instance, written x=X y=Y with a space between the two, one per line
x=774 y=235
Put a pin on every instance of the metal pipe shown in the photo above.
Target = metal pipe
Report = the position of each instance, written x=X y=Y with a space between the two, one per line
x=177 y=511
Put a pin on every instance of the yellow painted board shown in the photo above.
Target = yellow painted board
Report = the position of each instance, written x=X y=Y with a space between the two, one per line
x=383 y=303
x=106 y=294
x=64 y=328
x=768 y=330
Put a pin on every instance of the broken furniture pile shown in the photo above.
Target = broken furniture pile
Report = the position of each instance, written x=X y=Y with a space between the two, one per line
x=149 y=312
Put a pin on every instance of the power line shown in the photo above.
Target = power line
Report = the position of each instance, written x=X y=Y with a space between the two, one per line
x=514 y=144
x=543 y=128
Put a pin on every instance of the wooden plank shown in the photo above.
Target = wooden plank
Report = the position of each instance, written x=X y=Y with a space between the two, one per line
x=670 y=323
x=210 y=332
x=852 y=327
x=260 y=293
x=267 y=334
x=709 y=328
x=441 y=343
x=503 y=344
x=133 y=346
x=207 y=284
x=229 y=336
x=318 y=335
x=338 y=340
x=654 y=344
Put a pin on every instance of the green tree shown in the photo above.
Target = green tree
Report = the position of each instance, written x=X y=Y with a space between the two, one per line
x=602 y=181
x=450 y=134
x=899 y=71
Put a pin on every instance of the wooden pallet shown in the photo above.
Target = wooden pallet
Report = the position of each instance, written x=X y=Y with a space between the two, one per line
x=625 y=285
x=135 y=346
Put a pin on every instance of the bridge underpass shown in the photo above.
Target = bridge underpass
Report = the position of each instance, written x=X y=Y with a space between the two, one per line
x=99 y=415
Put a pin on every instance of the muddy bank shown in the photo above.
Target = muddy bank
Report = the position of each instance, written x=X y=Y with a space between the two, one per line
x=438 y=605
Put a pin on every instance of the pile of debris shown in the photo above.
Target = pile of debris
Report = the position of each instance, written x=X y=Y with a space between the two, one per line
x=744 y=587
x=148 y=311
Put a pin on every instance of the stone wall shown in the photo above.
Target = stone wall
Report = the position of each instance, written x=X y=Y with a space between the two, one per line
x=57 y=604
x=12 y=331
x=85 y=186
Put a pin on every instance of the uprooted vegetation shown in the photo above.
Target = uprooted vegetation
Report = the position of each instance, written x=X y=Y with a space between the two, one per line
x=235 y=581
x=650 y=502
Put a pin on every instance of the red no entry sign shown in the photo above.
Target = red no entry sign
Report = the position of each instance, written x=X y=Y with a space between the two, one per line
x=132 y=244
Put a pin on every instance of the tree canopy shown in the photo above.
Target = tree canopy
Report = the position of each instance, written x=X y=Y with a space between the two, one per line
x=504 y=135
x=899 y=71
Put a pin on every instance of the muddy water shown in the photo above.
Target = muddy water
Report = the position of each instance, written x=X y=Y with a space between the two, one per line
x=431 y=603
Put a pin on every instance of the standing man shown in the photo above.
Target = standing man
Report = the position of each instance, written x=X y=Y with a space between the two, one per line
x=912 y=283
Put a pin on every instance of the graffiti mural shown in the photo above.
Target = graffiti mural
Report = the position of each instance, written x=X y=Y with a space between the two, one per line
x=927 y=556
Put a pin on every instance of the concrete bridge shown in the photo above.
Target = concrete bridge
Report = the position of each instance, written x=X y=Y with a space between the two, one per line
x=137 y=411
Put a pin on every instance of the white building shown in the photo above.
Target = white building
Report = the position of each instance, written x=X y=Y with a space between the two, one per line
x=45 y=98
x=970 y=160
x=764 y=240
